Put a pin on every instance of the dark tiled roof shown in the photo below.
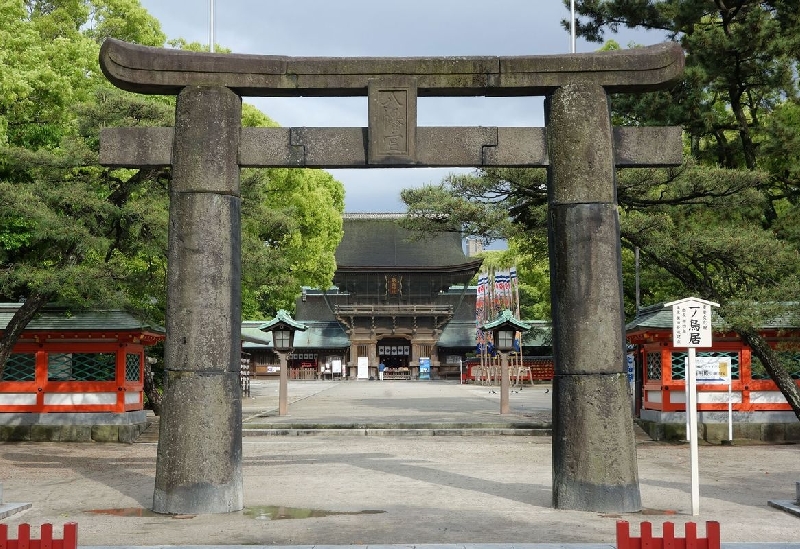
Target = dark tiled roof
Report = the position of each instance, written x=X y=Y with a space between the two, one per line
x=62 y=319
x=318 y=307
x=463 y=302
x=376 y=240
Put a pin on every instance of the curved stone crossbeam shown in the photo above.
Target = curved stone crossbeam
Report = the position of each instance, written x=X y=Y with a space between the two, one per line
x=148 y=70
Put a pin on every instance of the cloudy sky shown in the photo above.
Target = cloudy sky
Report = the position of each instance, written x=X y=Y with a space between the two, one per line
x=384 y=28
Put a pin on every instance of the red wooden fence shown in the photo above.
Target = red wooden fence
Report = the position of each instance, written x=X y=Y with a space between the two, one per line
x=46 y=540
x=668 y=541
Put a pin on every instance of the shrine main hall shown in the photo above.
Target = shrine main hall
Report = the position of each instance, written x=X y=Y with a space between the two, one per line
x=396 y=297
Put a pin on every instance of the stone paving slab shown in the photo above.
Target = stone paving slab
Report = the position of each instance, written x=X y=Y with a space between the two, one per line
x=395 y=402
x=8 y=509
x=790 y=507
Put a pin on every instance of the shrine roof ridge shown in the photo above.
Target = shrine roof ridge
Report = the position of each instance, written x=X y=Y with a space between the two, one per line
x=149 y=70
x=55 y=317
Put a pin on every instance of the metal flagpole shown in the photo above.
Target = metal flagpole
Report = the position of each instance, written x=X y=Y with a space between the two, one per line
x=572 y=24
x=211 y=26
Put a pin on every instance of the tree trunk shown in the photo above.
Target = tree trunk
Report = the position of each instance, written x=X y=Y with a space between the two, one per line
x=18 y=323
x=776 y=371
x=150 y=389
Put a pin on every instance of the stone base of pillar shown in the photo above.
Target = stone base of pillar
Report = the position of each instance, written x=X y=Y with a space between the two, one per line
x=594 y=453
x=201 y=426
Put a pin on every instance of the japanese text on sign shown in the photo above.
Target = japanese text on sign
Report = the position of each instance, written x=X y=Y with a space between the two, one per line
x=713 y=369
x=691 y=324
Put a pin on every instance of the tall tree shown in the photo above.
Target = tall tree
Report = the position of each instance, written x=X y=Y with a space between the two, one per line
x=70 y=230
x=86 y=236
x=738 y=93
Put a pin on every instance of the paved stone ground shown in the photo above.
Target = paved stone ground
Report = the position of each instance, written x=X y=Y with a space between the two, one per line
x=377 y=490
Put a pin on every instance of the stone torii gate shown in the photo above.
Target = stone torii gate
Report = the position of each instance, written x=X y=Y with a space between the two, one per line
x=199 y=461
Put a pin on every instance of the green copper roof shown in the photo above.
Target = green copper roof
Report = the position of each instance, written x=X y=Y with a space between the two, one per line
x=251 y=334
x=322 y=335
x=53 y=318
x=317 y=335
x=461 y=334
x=282 y=318
x=458 y=334
x=659 y=316
x=506 y=317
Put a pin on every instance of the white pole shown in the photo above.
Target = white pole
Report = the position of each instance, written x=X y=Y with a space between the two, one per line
x=211 y=26
x=686 y=397
x=572 y=24
x=691 y=410
x=730 y=407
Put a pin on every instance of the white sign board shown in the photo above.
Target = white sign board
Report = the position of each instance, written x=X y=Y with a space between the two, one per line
x=691 y=323
x=711 y=369
x=363 y=367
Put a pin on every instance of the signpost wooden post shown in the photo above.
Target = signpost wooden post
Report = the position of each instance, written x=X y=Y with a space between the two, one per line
x=691 y=328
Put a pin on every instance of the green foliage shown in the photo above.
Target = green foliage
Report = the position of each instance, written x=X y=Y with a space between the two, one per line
x=480 y=203
x=124 y=20
x=86 y=235
x=89 y=236
x=492 y=204
x=292 y=223
x=183 y=44
x=48 y=62
x=740 y=63
x=291 y=226
x=71 y=230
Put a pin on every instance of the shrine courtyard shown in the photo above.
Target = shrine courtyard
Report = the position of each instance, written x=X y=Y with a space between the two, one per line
x=334 y=489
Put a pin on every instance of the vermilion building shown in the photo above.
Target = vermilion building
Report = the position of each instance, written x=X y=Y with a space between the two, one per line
x=759 y=409
x=75 y=376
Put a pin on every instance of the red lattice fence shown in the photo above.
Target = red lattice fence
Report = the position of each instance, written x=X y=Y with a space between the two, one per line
x=668 y=541
x=46 y=541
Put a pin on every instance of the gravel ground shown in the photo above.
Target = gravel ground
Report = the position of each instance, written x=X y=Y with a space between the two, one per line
x=381 y=490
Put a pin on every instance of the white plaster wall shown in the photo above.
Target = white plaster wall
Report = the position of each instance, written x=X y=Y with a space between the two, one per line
x=67 y=399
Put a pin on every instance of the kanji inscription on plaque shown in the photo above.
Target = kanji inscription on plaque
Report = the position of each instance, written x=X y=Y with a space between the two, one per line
x=392 y=121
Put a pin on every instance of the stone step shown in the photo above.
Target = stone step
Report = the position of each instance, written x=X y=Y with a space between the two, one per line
x=150 y=433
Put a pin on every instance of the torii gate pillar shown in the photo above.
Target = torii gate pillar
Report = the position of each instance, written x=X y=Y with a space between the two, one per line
x=199 y=461
x=591 y=406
